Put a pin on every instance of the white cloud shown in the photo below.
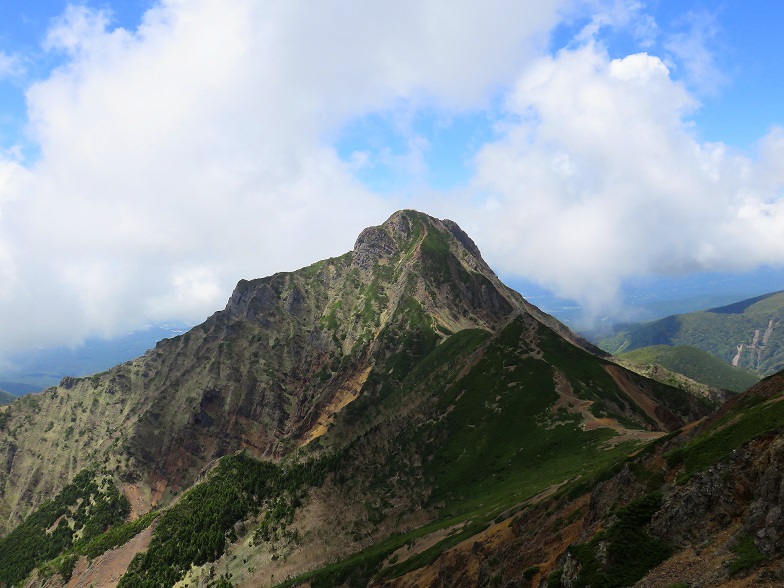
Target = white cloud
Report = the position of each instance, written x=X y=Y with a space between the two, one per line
x=629 y=15
x=194 y=151
x=602 y=179
x=182 y=156
x=10 y=65
x=692 y=49
x=76 y=29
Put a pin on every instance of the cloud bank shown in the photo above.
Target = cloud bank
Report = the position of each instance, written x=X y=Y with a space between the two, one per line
x=179 y=157
x=198 y=149
x=602 y=177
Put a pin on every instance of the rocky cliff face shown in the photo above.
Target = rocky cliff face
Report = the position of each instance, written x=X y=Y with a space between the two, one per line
x=257 y=375
x=417 y=383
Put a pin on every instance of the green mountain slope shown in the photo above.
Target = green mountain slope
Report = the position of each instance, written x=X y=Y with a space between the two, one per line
x=695 y=364
x=395 y=391
x=6 y=397
x=699 y=507
x=748 y=334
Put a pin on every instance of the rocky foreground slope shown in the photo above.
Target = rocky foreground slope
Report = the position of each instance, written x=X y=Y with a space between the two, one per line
x=397 y=397
x=698 y=508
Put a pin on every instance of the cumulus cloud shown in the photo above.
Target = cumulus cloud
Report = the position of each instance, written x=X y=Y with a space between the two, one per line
x=179 y=157
x=195 y=150
x=601 y=177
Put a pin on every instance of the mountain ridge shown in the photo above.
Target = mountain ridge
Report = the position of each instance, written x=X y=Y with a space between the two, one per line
x=400 y=384
x=693 y=363
x=745 y=334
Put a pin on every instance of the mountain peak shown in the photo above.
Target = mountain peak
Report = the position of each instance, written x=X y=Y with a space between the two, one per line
x=402 y=378
x=404 y=230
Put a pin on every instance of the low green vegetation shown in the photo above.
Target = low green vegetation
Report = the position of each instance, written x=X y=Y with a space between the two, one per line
x=747 y=556
x=727 y=435
x=554 y=579
x=198 y=527
x=630 y=550
x=81 y=512
x=696 y=364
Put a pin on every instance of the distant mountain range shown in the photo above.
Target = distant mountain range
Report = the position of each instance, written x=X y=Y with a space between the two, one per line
x=36 y=369
x=695 y=364
x=747 y=334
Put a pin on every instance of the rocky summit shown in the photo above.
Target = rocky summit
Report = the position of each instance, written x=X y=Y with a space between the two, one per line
x=394 y=416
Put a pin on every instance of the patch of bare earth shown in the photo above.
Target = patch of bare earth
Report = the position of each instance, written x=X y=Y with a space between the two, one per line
x=344 y=396
x=140 y=500
x=107 y=569
x=706 y=566
x=568 y=400
x=422 y=544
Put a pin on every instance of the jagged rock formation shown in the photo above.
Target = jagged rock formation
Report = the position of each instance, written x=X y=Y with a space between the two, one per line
x=428 y=388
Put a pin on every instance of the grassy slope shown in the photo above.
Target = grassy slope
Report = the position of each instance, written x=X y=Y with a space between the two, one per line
x=491 y=441
x=696 y=364
x=717 y=331
x=502 y=444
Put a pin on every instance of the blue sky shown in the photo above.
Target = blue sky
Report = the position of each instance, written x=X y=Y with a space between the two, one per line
x=740 y=90
x=153 y=153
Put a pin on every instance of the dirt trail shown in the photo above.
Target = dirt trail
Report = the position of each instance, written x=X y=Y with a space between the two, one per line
x=568 y=399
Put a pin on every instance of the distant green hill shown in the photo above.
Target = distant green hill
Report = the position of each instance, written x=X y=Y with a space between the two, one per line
x=748 y=334
x=695 y=364
x=6 y=397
